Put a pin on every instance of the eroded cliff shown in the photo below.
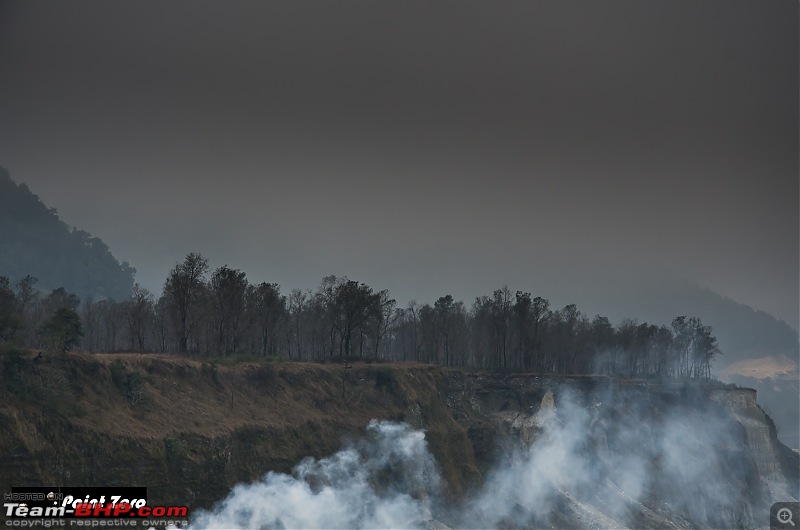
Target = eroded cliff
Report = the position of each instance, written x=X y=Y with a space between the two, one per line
x=558 y=452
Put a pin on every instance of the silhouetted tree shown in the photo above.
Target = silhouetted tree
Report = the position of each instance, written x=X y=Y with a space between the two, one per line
x=355 y=304
x=703 y=349
x=501 y=314
x=298 y=328
x=138 y=311
x=540 y=309
x=382 y=317
x=268 y=308
x=443 y=312
x=407 y=340
x=228 y=289
x=182 y=291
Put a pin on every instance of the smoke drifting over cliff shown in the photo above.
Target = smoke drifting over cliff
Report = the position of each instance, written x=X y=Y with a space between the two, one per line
x=598 y=460
x=381 y=482
x=591 y=467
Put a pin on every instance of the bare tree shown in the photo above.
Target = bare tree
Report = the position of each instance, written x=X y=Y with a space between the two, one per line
x=182 y=290
x=269 y=310
x=228 y=288
x=383 y=313
x=298 y=306
x=138 y=310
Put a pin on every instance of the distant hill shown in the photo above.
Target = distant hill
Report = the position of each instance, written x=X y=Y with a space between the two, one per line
x=33 y=240
x=743 y=332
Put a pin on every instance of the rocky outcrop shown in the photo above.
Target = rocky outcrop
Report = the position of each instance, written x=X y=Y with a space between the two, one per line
x=658 y=454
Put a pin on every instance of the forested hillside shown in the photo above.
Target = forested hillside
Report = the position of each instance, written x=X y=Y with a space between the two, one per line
x=35 y=242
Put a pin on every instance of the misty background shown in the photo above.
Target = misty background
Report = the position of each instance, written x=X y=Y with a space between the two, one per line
x=578 y=150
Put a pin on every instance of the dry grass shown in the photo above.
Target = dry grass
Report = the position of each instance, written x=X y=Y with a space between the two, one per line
x=182 y=394
x=171 y=422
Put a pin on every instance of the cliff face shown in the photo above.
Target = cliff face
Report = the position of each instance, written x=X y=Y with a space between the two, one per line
x=527 y=450
x=616 y=453
x=190 y=431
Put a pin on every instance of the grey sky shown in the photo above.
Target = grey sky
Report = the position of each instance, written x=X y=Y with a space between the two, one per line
x=566 y=148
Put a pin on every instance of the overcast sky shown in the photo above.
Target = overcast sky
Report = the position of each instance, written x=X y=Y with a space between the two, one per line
x=565 y=148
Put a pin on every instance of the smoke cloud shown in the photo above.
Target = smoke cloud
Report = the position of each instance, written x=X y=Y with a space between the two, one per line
x=604 y=464
x=384 y=481
x=597 y=460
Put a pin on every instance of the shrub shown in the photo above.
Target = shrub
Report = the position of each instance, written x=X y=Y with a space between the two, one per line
x=131 y=384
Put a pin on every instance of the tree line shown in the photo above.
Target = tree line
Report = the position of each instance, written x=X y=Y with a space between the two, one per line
x=211 y=313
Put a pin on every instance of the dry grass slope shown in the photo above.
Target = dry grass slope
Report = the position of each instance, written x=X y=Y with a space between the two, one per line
x=190 y=430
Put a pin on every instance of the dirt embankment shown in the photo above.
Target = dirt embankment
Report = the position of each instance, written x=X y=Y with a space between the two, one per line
x=190 y=430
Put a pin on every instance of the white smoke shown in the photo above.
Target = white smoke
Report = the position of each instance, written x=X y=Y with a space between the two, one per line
x=588 y=465
x=597 y=469
x=383 y=482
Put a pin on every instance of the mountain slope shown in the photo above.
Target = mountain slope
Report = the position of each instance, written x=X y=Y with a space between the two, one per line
x=34 y=241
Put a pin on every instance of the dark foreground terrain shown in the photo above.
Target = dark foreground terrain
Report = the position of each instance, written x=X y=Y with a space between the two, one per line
x=508 y=450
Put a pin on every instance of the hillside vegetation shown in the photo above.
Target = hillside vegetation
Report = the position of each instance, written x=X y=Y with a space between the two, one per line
x=35 y=242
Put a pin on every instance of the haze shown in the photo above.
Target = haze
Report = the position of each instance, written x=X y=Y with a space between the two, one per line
x=571 y=149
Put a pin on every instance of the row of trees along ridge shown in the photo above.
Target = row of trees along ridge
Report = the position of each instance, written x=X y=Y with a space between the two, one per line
x=222 y=313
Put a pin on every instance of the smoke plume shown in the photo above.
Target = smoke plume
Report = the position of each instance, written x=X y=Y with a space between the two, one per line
x=598 y=460
x=384 y=481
